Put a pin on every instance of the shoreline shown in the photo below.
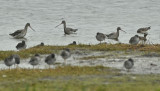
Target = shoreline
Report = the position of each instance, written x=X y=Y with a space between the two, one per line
x=47 y=49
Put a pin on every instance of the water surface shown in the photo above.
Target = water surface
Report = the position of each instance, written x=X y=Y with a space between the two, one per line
x=89 y=16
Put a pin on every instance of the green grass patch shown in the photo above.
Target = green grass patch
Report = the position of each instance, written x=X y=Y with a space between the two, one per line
x=102 y=47
x=76 y=79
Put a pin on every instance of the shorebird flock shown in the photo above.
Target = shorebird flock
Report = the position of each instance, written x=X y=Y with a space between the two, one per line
x=66 y=53
x=133 y=40
x=36 y=59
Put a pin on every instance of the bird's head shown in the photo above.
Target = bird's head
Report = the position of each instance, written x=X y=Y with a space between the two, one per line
x=119 y=28
x=28 y=25
x=52 y=55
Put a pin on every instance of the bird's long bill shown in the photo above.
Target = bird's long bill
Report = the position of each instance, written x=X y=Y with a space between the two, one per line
x=31 y=28
x=58 y=25
x=124 y=31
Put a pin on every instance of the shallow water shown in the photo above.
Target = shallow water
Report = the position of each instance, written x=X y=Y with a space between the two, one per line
x=89 y=16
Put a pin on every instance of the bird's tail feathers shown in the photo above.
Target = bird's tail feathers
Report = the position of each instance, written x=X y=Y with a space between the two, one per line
x=11 y=34
x=75 y=30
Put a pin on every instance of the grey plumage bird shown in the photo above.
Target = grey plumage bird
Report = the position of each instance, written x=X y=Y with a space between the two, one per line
x=129 y=64
x=50 y=60
x=35 y=60
x=65 y=54
x=21 y=45
x=115 y=35
x=41 y=44
x=22 y=32
x=17 y=59
x=143 y=39
x=74 y=43
x=100 y=37
x=9 y=61
x=143 y=30
x=134 y=40
x=67 y=30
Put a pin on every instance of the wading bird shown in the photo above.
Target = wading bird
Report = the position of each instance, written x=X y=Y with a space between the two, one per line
x=50 y=60
x=17 y=59
x=134 y=40
x=115 y=35
x=9 y=61
x=35 y=60
x=143 y=39
x=74 y=43
x=129 y=64
x=21 y=45
x=65 y=54
x=143 y=30
x=66 y=29
x=100 y=37
x=22 y=32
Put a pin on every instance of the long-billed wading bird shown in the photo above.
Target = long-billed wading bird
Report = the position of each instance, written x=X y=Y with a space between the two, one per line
x=129 y=64
x=100 y=37
x=50 y=59
x=115 y=35
x=134 y=40
x=35 y=60
x=67 y=30
x=21 y=45
x=143 y=30
x=65 y=54
x=22 y=32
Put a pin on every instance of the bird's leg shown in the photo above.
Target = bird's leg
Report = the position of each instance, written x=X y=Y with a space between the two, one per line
x=49 y=67
x=17 y=66
x=127 y=70
x=9 y=68
x=14 y=65
x=65 y=62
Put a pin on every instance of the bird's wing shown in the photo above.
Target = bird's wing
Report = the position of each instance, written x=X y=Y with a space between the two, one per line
x=142 y=30
x=63 y=53
x=71 y=29
x=47 y=58
x=16 y=32
x=102 y=35
x=110 y=35
x=132 y=38
x=19 y=44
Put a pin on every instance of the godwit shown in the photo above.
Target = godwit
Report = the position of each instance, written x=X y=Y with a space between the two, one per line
x=134 y=40
x=143 y=30
x=9 y=61
x=21 y=45
x=115 y=35
x=66 y=29
x=74 y=43
x=129 y=64
x=50 y=60
x=100 y=37
x=35 y=60
x=65 y=54
x=22 y=32
x=143 y=39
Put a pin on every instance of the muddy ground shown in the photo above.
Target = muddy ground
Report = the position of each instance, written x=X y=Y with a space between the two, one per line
x=144 y=63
